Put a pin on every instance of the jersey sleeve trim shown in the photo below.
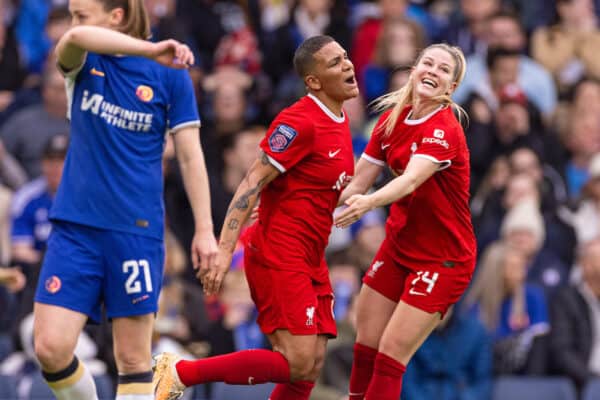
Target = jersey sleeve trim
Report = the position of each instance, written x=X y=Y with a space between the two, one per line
x=442 y=164
x=277 y=165
x=188 y=124
x=70 y=77
x=373 y=160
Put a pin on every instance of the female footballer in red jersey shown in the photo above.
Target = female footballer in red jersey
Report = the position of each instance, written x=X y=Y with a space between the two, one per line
x=307 y=160
x=427 y=259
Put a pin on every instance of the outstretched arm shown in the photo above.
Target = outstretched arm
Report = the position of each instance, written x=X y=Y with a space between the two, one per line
x=417 y=171
x=73 y=46
x=246 y=196
x=195 y=179
x=364 y=176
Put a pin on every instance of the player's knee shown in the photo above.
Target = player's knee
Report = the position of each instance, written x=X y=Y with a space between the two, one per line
x=130 y=361
x=301 y=365
x=396 y=346
x=317 y=367
x=52 y=353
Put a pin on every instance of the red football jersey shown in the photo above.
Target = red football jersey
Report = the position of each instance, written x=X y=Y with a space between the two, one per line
x=312 y=148
x=432 y=226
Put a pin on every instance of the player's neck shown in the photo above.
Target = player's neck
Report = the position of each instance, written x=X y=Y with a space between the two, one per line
x=421 y=109
x=334 y=106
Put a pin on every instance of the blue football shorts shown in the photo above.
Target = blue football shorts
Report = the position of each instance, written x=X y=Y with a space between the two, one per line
x=85 y=268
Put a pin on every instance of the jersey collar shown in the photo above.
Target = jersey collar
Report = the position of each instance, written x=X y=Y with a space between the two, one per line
x=327 y=111
x=409 y=121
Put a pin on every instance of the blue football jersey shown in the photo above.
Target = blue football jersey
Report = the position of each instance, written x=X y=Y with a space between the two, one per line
x=120 y=109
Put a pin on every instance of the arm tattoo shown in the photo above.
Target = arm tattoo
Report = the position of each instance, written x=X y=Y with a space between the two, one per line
x=233 y=224
x=244 y=201
x=227 y=244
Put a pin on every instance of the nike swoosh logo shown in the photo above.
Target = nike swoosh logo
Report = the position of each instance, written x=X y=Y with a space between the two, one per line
x=334 y=153
x=385 y=146
x=415 y=293
x=94 y=71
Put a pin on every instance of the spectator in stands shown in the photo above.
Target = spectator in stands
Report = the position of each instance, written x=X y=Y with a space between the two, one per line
x=12 y=278
x=575 y=316
x=581 y=138
x=239 y=152
x=438 y=371
x=523 y=228
x=467 y=28
x=12 y=70
x=497 y=130
x=177 y=324
x=586 y=218
x=12 y=174
x=26 y=132
x=556 y=249
x=569 y=49
x=586 y=96
x=308 y=18
x=30 y=29
x=236 y=329
x=228 y=115
x=163 y=22
x=59 y=21
x=560 y=235
x=503 y=71
x=31 y=205
x=513 y=311
x=504 y=30
x=398 y=44
x=367 y=32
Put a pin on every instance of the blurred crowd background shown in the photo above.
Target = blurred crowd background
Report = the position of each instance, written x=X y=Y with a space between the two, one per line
x=532 y=91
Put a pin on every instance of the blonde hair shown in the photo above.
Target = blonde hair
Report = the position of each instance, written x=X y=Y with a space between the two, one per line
x=489 y=287
x=136 y=23
x=396 y=101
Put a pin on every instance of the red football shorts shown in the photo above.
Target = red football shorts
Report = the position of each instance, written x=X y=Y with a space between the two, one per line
x=428 y=288
x=290 y=300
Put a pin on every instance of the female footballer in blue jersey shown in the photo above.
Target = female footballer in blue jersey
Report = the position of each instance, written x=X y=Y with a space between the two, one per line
x=106 y=247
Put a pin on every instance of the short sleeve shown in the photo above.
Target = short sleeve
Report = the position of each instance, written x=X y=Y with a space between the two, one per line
x=183 y=109
x=374 y=152
x=439 y=144
x=288 y=140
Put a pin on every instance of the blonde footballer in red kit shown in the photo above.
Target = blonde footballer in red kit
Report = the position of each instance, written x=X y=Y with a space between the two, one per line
x=306 y=162
x=427 y=259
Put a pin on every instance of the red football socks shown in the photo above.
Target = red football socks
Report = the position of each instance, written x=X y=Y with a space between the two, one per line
x=386 y=383
x=362 y=369
x=247 y=367
x=292 y=391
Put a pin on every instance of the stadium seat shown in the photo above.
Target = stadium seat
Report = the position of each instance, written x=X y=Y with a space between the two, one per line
x=8 y=387
x=222 y=391
x=525 y=388
x=591 y=391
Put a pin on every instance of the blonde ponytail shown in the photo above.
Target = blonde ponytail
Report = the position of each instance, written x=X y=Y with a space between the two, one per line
x=136 y=22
